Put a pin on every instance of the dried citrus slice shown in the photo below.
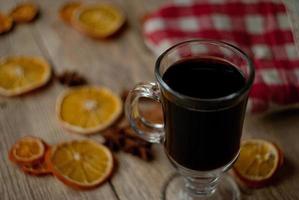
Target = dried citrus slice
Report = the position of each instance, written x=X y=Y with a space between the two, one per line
x=19 y=75
x=258 y=161
x=99 y=21
x=88 y=109
x=28 y=150
x=80 y=164
x=24 y=13
x=67 y=11
x=6 y=23
x=39 y=169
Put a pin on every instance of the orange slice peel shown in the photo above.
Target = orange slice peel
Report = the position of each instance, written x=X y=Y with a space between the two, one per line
x=38 y=169
x=258 y=162
x=88 y=109
x=99 y=20
x=24 y=13
x=28 y=150
x=6 y=23
x=20 y=74
x=67 y=10
x=81 y=164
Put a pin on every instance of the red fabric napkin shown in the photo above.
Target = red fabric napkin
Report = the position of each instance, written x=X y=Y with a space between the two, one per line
x=260 y=27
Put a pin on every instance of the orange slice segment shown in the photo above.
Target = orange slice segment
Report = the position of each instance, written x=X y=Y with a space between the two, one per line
x=67 y=11
x=99 y=21
x=88 y=109
x=28 y=150
x=6 y=23
x=24 y=13
x=19 y=75
x=81 y=164
x=258 y=161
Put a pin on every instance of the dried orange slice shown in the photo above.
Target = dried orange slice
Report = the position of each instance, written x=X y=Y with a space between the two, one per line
x=258 y=161
x=38 y=169
x=99 y=21
x=88 y=109
x=24 y=13
x=6 y=23
x=28 y=150
x=19 y=75
x=81 y=164
x=67 y=11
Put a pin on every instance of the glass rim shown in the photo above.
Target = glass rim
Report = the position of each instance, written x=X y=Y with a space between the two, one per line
x=236 y=94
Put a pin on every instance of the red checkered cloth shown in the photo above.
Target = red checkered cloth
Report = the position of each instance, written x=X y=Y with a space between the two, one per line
x=260 y=27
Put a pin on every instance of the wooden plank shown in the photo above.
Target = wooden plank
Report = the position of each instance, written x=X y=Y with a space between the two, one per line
x=95 y=61
x=32 y=114
x=129 y=65
x=92 y=58
x=281 y=128
x=137 y=179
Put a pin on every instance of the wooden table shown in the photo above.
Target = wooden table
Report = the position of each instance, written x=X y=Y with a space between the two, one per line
x=117 y=63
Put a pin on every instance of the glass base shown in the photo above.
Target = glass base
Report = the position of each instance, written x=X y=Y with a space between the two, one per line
x=173 y=189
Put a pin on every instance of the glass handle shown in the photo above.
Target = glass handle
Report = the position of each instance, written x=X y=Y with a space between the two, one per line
x=151 y=132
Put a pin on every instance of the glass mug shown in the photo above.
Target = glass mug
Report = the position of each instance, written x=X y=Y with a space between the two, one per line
x=201 y=136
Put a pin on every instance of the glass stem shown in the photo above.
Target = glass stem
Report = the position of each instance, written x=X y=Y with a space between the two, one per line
x=200 y=186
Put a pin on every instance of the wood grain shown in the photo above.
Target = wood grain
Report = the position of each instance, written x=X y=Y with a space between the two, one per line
x=117 y=63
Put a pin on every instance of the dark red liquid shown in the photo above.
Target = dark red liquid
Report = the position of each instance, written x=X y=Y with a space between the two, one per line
x=202 y=140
